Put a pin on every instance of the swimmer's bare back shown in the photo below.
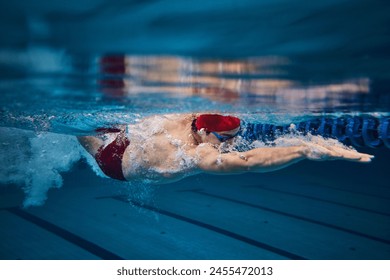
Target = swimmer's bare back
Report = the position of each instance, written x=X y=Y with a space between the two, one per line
x=166 y=146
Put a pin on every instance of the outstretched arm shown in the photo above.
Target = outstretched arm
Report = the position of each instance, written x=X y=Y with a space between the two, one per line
x=272 y=158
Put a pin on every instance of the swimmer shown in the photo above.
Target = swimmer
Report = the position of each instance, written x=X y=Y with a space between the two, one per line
x=170 y=146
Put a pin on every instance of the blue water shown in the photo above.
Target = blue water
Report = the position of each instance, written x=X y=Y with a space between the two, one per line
x=66 y=69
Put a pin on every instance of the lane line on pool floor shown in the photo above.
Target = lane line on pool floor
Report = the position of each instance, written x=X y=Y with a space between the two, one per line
x=293 y=216
x=320 y=199
x=209 y=227
x=65 y=234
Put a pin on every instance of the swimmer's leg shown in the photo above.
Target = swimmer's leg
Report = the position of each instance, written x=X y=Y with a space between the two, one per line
x=91 y=143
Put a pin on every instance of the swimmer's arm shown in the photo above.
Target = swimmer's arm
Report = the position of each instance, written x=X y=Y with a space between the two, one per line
x=257 y=160
x=268 y=159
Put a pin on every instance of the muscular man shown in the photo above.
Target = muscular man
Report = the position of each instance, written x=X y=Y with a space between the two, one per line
x=172 y=146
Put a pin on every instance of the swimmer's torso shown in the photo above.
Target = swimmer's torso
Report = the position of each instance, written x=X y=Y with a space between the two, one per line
x=155 y=151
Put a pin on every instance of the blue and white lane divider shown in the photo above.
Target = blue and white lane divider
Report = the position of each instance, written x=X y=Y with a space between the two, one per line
x=356 y=131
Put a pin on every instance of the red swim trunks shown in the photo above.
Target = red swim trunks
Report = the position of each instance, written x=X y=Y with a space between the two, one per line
x=109 y=158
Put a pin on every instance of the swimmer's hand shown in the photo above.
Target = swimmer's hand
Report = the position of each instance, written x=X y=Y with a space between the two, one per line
x=320 y=150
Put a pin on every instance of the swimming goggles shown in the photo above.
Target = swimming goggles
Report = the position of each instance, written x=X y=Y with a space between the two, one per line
x=223 y=138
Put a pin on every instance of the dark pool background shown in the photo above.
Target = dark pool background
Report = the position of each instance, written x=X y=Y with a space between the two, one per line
x=69 y=67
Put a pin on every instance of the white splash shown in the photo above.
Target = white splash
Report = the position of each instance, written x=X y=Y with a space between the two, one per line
x=35 y=161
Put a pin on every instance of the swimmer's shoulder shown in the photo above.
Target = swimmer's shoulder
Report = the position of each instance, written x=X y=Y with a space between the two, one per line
x=178 y=117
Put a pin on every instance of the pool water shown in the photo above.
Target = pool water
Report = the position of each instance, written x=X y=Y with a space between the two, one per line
x=66 y=70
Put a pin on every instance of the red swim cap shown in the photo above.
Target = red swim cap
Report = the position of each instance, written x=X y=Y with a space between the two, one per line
x=214 y=122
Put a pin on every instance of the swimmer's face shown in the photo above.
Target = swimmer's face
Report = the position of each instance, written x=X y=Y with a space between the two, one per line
x=217 y=138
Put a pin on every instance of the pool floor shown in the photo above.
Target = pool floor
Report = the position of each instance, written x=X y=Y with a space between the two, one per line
x=312 y=210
